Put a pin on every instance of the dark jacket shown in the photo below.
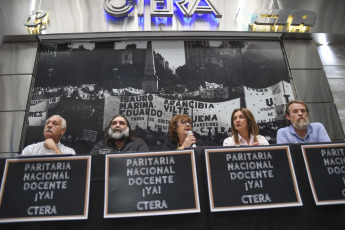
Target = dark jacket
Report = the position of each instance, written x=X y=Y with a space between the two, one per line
x=135 y=145
x=171 y=145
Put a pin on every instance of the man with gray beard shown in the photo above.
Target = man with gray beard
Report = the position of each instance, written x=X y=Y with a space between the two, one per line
x=300 y=130
x=119 y=139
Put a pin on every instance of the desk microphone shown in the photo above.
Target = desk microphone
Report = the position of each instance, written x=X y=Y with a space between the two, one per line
x=191 y=133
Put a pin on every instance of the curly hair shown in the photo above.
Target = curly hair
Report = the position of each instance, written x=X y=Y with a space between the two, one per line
x=173 y=124
x=253 y=127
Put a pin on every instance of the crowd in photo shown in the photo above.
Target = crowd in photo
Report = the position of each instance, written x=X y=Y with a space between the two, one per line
x=120 y=138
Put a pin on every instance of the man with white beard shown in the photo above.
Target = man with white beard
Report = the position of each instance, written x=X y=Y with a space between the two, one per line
x=119 y=139
x=300 y=130
x=54 y=129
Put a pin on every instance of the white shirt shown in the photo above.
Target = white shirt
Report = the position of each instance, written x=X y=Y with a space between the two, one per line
x=39 y=149
x=231 y=142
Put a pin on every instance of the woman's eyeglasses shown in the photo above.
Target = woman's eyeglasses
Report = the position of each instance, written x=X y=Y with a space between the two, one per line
x=185 y=122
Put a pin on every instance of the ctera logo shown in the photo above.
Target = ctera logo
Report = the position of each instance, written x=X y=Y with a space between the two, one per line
x=276 y=20
x=160 y=8
x=36 y=22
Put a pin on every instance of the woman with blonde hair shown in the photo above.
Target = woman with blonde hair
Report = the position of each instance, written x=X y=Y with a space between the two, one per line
x=244 y=129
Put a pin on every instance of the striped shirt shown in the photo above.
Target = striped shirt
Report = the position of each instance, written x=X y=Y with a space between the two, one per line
x=39 y=149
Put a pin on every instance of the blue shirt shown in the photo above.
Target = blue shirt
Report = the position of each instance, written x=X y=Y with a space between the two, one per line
x=315 y=133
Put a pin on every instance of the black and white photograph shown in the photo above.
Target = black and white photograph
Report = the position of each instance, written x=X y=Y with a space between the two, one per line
x=151 y=81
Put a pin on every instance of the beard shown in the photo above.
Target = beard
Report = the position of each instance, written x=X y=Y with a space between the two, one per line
x=118 y=136
x=301 y=123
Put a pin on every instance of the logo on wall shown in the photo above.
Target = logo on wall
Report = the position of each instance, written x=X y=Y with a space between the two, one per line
x=160 y=8
x=36 y=22
x=277 y=20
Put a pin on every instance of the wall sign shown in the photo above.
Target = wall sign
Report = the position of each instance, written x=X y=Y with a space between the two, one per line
x=326 y=171
x=150 y=184
x=263 y=20
x=160 y=8
x=162 y=12
x=36 y=22
x=251 y=178
x=283 y=20
x=41 y=189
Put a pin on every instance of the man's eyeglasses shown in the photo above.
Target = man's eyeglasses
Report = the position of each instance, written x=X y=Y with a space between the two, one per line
x=185 y=122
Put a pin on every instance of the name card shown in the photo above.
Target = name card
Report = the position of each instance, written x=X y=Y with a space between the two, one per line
x=41 y=189
x=251 y=178
x=326 y=171
x=147 y=184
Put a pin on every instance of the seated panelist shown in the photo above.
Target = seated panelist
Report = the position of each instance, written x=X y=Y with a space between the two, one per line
x=180 y=133
x=54 y=129
x=300 y=130
x=244 y=130
x=119 y=139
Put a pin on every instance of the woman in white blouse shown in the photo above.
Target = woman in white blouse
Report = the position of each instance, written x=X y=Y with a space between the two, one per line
x=244 y=129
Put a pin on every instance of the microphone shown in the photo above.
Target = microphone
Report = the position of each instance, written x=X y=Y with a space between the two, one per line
x=191 y=133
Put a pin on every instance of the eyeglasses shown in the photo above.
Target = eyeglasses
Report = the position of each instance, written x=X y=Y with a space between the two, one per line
x=185 y=122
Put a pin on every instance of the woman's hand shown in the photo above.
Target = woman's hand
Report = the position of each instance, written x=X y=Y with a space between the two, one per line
x=190 y=139
x=255 y=143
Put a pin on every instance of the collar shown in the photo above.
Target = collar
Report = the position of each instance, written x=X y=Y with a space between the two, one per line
x=58 y=144
x=251 y=138
x=127 y=141
x=293 y=132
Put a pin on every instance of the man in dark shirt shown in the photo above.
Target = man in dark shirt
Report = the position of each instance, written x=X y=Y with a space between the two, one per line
x=119 y=139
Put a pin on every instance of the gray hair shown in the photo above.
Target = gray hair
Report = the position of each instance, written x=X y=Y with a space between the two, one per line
x=63 y=121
